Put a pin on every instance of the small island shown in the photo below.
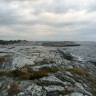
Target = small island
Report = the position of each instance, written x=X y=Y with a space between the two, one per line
x=61 y=44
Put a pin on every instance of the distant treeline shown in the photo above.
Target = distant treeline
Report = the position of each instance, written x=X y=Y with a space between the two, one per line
x=3 y=42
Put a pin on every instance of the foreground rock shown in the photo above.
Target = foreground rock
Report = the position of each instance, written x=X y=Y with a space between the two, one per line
x=45 y=71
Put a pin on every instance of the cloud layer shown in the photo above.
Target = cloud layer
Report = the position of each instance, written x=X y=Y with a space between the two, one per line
x=48 y=19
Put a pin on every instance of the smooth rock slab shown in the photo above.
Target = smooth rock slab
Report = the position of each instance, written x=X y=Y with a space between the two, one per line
x=52 y=94
x=21 y=94
x=76 y=94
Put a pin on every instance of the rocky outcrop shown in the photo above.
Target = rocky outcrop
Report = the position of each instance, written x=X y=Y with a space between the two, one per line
x=46 y=71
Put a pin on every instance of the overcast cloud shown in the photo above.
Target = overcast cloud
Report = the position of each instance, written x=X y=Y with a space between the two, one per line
x=48 y=20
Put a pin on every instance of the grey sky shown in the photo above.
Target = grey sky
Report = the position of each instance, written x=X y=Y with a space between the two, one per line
x=48 y=19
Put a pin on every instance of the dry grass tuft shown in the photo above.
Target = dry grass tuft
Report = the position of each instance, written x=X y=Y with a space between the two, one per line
x=84 y=75
x=13 y=89
x=79 y=71
x=24 y=73
x=2 y=59
x=67 y=91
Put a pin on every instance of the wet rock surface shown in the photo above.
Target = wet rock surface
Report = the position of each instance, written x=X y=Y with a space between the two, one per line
x=47 y=71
